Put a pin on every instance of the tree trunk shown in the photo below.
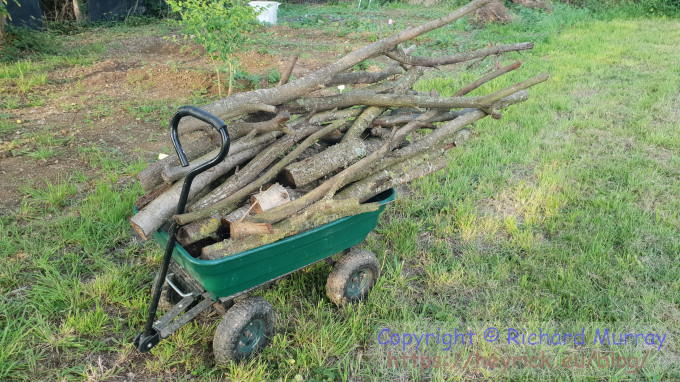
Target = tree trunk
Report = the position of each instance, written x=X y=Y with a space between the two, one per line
x=76 y=11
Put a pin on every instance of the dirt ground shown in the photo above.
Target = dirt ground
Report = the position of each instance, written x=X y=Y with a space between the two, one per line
x=121 y=104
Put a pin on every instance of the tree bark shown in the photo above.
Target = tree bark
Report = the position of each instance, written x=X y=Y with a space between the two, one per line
x=304 y=172
x=154 y=215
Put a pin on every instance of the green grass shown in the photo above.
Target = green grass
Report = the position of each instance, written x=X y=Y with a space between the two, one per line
x=562 y=214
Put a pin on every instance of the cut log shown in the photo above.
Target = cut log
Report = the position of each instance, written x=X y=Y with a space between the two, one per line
x=316 y=215
x=239 y=229
x=274 y=196
x=154 y=215
x=196 y=231
x=304 y=172
x=148 y=198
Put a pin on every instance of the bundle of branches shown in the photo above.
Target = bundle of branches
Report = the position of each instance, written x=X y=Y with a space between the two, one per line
x=320 y=153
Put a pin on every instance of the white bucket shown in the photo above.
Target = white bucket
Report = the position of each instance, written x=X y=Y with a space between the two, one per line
x=266 y=11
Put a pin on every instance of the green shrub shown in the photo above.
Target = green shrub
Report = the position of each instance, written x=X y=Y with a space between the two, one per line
x=221 y=26
x=18 y=43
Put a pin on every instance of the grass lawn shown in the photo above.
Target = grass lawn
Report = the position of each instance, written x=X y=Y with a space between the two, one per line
x=562 y=215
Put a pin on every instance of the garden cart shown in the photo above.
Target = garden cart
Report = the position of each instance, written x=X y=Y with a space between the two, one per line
x=194 y=285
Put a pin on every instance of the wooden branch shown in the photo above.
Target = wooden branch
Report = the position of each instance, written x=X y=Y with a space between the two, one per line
x=444 y=133
x=399 y=173
x=361 y=123
x=487 y=78
x=278 y=123
x=328 y=116
x=461 y=57
x=285 y=76
x=364 y=77
x=401 y=119
x=397 y=100
x=238 y=104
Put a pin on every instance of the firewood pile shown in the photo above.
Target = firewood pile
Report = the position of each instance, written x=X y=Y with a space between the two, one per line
x=324 y=145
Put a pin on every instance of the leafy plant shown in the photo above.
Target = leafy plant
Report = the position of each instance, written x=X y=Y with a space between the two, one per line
x=221 y=27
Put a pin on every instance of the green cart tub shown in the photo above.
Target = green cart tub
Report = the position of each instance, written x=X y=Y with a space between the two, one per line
x=235 y=274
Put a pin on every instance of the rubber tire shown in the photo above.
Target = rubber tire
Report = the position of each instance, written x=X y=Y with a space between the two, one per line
x=338 y=280
x=233 y=324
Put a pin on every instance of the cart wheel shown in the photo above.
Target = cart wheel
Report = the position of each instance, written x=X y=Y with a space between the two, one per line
x=352 y=277
x=244 y=330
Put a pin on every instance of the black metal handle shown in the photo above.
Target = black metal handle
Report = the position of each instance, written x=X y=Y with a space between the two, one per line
x=151 y=335
x=213 y=121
